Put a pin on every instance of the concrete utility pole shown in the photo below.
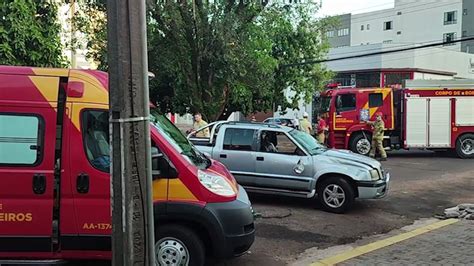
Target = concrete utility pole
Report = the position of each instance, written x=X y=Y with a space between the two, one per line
x=132 y=211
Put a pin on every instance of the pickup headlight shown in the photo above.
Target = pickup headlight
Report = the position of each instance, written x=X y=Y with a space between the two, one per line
x=216 y=183
x=374 y=174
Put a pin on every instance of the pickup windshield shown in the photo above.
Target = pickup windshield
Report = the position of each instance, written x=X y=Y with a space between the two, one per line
x=310 y=144
x=178 y=140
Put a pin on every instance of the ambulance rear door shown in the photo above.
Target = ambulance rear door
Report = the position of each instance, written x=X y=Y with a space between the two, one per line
x=27 y=151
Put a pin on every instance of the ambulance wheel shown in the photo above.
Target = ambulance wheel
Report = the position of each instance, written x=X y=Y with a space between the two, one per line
x=465 y=146
x=361 y=144
x=335 y=194
x=178 y=245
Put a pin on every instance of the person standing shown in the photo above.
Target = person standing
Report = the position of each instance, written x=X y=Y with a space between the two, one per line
x=305 y=125
x=321 y=129
x=200 y=123
x=378 y=127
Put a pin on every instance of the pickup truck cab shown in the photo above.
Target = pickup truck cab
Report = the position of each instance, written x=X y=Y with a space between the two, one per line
x=55 y=183
x=280 y=160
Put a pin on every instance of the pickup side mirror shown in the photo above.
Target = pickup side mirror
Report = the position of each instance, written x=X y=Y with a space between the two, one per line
x=161 y=167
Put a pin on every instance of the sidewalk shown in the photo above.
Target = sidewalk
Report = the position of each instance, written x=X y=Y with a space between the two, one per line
x=438 y=243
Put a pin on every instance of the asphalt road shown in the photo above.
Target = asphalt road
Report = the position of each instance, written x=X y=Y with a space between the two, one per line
x=422 y=185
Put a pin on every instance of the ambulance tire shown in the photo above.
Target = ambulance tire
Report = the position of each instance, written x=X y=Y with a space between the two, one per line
x=465 y=146
x=175 y=242
x=361 y=144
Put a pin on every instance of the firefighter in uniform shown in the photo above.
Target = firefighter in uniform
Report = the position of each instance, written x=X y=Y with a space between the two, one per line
x=305 y=125
x=378 y=127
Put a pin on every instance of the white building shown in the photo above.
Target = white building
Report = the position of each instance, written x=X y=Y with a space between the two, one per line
x=410 y=22
x=407 y=25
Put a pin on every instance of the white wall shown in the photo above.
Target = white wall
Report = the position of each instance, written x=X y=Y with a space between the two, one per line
x=418 y=75
x=442 y=60
x=419 y=22
x=435 y=59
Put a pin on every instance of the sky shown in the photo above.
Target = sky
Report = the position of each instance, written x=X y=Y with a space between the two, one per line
x=337 y=7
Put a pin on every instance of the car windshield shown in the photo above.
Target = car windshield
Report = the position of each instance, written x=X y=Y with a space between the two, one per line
x=178 y=140
x=310 y=144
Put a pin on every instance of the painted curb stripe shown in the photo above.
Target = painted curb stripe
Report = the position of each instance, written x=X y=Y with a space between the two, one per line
x=358 y=251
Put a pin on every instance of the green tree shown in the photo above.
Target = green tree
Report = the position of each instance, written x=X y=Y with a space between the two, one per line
x=30 y=34
x=212 y=54
x=297 y=35
x=221 y=56
x=91 y=20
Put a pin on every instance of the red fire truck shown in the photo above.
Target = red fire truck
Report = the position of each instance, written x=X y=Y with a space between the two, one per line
x=426 y=114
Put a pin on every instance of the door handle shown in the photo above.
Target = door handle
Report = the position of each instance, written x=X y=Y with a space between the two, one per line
x=259 y=158
x=82 y=183
x=39 y=184
x=223 y=156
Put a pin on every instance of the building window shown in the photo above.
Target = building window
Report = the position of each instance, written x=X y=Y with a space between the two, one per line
x=388 y=25
x=368 y=26
x=375 y=100
x=343 y=32
x=20 y=139
x=238 y=139
x=361 y=27
x=448 y=38
x=464 y=33
x=464 y=12
x=330 y=34
x=392 y=79
x=399 y=13
x=345 y=102
x=95 y=128
x=450 y=17
x=387 y=41
x=366 y=80
x=399 y=33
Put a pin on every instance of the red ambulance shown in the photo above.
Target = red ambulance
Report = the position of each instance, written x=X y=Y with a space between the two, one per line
x=427 y=114
x=55 y=182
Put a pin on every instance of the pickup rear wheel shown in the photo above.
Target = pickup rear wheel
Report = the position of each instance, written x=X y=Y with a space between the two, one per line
x=361 y=144
x=178 y=245
x=465 y=146
x=335 y=194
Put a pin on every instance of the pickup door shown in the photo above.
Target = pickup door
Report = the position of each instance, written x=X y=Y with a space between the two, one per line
x=286 y=167
x=235 y=148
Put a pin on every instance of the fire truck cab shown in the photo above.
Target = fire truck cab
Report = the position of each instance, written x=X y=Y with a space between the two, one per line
x=423 y=114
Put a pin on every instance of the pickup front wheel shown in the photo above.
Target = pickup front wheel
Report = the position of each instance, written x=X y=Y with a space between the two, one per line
x=335 y=194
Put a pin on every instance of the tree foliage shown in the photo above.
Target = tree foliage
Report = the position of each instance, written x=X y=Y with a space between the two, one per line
x=91 y=20
x=30 y=34
x=221 y=56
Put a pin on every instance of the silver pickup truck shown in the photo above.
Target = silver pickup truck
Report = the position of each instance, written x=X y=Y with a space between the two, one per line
x=280 y=160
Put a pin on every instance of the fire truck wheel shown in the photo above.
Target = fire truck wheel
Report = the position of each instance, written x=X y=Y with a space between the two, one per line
x=465 y=146
x=361 y=144
x=178 y=245
x=335 y=194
